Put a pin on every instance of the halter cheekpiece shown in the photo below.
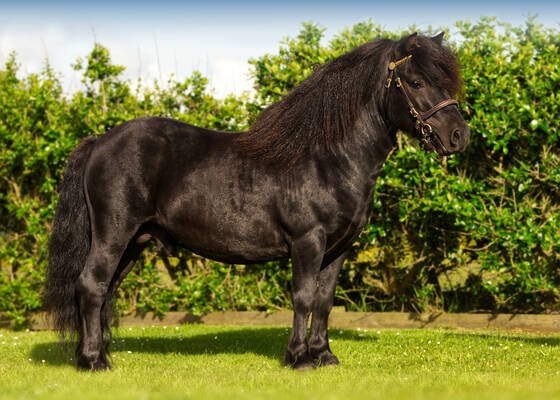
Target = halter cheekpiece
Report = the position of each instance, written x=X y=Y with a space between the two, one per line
x=424 y=129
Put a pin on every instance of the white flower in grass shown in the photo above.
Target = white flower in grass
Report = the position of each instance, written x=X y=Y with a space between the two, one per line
x=129 y=352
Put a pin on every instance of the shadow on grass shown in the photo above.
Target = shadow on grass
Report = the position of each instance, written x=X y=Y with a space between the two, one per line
x=264 y=341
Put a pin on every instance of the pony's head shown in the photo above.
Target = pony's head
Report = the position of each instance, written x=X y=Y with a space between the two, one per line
x=422 y=79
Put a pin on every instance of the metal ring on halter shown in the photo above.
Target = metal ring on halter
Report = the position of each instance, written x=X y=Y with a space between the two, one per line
x=426 y=129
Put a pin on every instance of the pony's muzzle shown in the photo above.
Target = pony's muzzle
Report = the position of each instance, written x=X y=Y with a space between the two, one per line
x=459 y=138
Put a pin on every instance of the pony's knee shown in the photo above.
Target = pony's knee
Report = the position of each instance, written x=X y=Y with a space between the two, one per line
x=303 y=302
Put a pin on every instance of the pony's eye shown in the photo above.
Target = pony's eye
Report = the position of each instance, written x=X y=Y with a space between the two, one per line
x=416 y=84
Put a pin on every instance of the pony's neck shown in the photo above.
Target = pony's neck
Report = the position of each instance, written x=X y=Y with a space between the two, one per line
x=373 y=136
x=368 y=146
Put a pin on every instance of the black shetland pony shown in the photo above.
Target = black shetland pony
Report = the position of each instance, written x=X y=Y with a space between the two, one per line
x=299 y=184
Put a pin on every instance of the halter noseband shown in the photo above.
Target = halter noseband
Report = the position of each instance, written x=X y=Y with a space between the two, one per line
x=425 y=129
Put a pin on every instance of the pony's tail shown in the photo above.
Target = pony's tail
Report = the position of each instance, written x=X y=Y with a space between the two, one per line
x=69 y=243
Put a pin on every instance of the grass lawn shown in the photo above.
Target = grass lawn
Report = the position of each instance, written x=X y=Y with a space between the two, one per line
x=204 y=362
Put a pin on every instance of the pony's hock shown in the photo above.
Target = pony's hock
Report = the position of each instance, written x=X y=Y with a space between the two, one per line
x=299 y=184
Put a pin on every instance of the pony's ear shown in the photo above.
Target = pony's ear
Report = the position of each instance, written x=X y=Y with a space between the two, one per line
x=410 y=43
x=438 y=39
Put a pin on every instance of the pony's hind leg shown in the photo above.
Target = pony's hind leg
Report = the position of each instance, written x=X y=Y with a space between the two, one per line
x=319 y=348
x=91 y=290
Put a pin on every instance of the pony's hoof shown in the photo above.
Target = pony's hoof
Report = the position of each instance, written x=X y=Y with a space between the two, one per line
x=303 y=365
x=300 y=362
x=97 y=365
x=101 y=365
x=328 y=359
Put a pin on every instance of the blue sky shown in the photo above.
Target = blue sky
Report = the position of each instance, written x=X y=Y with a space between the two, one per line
x=156 y=38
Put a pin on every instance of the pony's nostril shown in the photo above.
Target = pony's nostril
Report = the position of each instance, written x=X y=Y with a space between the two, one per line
x=455 y=137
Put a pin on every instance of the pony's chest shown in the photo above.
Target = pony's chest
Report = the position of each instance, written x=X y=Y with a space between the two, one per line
x=348 y=220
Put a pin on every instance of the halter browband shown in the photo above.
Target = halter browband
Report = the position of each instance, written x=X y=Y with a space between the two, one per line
x=421 y=125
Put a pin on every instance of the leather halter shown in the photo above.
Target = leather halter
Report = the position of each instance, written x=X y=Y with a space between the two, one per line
x=424 y=129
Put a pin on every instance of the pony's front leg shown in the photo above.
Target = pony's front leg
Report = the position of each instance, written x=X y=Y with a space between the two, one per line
x=318 y=338
x=307 y=254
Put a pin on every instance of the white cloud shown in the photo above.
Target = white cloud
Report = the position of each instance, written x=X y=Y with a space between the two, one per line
x=136 y=50
x=229 y=75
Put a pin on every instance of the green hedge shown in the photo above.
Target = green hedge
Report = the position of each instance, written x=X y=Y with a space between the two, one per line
x=478 y=231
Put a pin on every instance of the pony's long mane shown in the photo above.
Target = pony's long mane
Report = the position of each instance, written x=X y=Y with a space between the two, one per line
x=322 y=110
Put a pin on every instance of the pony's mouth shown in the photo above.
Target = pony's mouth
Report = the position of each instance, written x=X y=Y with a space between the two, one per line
x=436 y=145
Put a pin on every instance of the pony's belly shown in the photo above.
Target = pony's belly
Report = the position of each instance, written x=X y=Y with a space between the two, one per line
x=240 y=243
x=234 y=251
